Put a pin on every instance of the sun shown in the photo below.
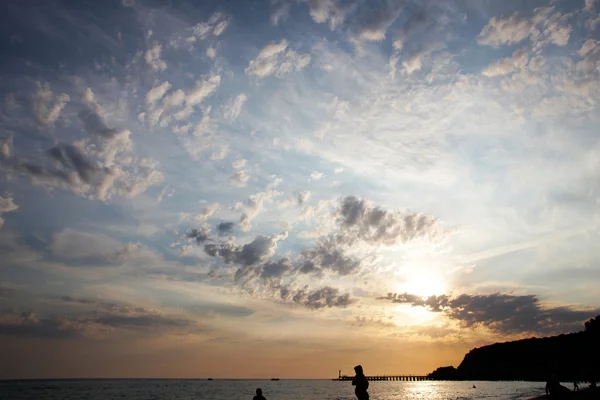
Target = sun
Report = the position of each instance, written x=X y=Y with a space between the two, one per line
x=424 y=284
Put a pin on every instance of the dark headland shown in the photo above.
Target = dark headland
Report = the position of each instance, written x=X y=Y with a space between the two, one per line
x=572 y=357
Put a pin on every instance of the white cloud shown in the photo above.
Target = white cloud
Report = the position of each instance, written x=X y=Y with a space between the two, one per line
x=216 y=25
x=315 y=175
x=543 y=28
x=591 y=46
x=89 y=96
x=415 y=61
x=211 y=52
x=234 y=107
x=203 y=89
x=299 y=199
x=412 y=64
x=152 y=57
x=237 y=164
x=338 y=170
x=203 y=216
x=174 y=99
x=220 y=22
x=375 y=25
x=221 y=153
x=508 y=65
x=207 y=212
x=157 y=92
x=327 y=67
x=276 y=59
x=6 y=205
x=239 y=178
x=184 y=113
x=558 y=34
x=280 y=11
x=590 y=5
x=254 y=205
x=46 y=105
x=330 y=11
x=507 y=30
x=182 y=129
x=140 y=180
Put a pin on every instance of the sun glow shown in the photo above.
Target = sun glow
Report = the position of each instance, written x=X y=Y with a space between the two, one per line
x=424 y=284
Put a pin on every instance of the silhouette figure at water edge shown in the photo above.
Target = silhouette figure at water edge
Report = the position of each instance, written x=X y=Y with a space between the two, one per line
x=555 y=390
x=361 y=383
x=259 y=395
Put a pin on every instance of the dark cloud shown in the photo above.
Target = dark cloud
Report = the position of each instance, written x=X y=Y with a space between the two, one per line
x=260 y=250
x=225 y=228
x=365 y=321
x=28 y=325
x=325 y=297
x=255 y=265
x=302 y=197
x=95 y=125
x=200 y=235
x=83 y=170
x=267 y=272
x=358 y=223
x=375 y=225
x=72 y=157
x=309 y=267
x=327 y=255
x=34 y=170
x=98 y=319
x=276 y=269
x=142 y=321
x=69 y=299
x=501 y=313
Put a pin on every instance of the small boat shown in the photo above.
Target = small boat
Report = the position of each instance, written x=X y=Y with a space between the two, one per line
x=210 y=379
x=274 y=379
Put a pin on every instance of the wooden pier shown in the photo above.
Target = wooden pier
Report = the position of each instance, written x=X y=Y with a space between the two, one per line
x=402 y=378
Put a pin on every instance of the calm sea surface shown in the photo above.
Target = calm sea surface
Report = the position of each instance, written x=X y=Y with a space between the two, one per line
x=154 y=389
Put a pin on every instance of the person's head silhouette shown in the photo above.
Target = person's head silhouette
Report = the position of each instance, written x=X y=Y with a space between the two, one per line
x=358 y=369
x=259 y=392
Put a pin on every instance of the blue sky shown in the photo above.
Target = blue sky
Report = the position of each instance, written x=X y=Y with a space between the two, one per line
x=228 y=177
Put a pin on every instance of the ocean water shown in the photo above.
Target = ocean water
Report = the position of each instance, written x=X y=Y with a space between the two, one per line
x=158 y=389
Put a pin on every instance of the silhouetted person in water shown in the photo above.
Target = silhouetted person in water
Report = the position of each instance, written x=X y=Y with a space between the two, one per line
x=551 y=384
x=259 y=395
x=575 y=386
x=361 y=383
x=555 y=390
